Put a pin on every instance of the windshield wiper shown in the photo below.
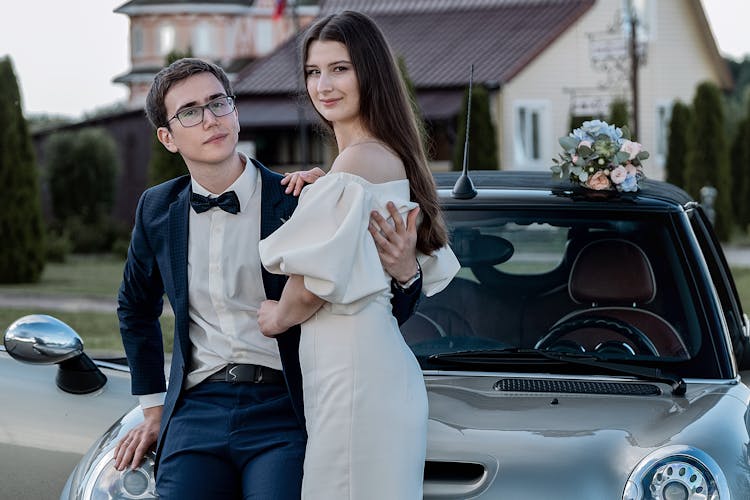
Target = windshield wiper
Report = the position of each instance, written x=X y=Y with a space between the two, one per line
x=518 y=355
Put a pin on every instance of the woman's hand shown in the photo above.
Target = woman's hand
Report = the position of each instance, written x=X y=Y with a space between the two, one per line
x=295 y=181
x=397 y=243
x=268 y=319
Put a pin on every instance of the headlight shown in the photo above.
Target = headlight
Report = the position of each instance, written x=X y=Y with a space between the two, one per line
x=108 y=483
x=95 y=477
x=677 y=473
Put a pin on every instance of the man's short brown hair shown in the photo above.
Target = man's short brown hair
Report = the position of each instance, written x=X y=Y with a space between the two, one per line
x=156 y=110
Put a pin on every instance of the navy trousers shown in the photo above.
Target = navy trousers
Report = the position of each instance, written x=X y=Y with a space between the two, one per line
x=232 y=441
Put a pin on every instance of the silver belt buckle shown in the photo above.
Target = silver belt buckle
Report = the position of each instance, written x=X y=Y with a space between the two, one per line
x=231 y=376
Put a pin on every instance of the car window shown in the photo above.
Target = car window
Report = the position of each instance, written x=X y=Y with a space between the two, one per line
x=520 y=284
x=724 y=284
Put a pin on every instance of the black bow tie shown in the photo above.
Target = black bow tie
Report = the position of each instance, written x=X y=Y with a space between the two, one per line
x=227 y=202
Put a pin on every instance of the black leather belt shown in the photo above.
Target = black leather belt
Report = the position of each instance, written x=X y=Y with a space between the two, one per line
x=257 y=374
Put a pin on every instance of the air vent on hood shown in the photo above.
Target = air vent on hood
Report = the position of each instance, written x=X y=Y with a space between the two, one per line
x=575 y=386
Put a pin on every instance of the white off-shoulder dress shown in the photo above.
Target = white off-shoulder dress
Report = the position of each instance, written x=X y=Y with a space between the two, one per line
x=364 y=395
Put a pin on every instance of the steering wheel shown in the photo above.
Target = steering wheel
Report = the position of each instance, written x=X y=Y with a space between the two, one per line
x=633 y=334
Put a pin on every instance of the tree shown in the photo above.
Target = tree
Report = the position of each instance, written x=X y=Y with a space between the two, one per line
x=678 y=144
x=22 y=251
x=411 y=94
x=708 y=155
x=740 y=161
x=482 y=152
x=165 y=165
x=618 y=114
x=82 y=168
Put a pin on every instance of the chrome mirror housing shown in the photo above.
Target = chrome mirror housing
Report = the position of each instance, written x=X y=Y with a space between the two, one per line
x=42 y=339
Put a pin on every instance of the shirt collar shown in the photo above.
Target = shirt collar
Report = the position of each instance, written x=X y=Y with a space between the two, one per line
x=244 y=186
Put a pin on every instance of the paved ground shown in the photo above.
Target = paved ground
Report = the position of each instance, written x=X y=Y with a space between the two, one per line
x=737 y=256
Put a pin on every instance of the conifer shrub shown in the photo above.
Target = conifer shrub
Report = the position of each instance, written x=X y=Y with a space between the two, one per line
x=482 y=153
x=677 y=147
x=22 y=249
x=708 y=155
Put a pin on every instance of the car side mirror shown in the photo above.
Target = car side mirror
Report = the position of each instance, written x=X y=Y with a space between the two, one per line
x=43 y=340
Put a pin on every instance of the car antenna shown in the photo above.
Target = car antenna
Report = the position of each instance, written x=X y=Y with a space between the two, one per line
x=463 y=189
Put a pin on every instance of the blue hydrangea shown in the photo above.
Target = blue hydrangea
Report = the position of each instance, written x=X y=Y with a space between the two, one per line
x=593 y=128
x=629 y=184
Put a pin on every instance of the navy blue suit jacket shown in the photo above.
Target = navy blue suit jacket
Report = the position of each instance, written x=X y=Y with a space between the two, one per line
x=157 y=265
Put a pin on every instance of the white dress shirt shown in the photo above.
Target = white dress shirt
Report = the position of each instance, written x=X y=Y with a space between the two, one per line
x=225 y=286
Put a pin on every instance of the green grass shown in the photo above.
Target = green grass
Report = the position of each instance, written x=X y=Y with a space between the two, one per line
x=742 y=282
x=80 y=275
x=100 y=332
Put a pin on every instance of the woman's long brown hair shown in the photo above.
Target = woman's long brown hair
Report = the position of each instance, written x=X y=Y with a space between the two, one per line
x=385 y=111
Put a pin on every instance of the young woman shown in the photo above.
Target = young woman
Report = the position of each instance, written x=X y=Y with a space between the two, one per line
x=364 y=395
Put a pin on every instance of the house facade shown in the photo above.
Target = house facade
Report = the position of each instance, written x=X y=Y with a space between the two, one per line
x=230 y=32
x=544 y=63
x=587 y=66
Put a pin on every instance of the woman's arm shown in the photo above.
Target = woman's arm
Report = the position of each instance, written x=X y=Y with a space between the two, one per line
x=295 y=306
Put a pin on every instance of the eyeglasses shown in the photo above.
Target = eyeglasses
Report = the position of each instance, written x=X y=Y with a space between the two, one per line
x=192 y=116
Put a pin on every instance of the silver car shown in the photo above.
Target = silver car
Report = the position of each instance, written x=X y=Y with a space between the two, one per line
x=590 y=348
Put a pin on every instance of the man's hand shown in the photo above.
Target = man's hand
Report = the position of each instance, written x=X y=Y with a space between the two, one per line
x=397 y=244
x=268 y=319
x=132 y=448
x=295 y=181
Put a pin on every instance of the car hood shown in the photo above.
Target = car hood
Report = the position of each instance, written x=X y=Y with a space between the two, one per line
x=572 y=445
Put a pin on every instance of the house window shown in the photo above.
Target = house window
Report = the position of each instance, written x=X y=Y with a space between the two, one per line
x=203 y=40
x=529 y=127
x=137 y=40
x=263 y=36
x=663 y=117
x=166 y=39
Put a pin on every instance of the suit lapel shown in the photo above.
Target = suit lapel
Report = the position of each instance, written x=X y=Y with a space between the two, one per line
x=178 y=259
x=275 y=208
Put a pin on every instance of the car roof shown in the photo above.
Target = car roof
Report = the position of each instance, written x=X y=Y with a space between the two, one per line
x=542 y=188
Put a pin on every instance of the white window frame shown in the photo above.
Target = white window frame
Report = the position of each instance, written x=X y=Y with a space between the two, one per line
x=137 y=37
x=530 y=144
x=203 y=39
x=167 y=39
x=263 y=36
x=662 y=117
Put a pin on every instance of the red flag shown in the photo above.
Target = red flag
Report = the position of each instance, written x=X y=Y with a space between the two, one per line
x=278 y=11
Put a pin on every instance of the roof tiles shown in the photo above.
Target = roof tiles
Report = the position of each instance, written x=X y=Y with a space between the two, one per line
x=439 y=39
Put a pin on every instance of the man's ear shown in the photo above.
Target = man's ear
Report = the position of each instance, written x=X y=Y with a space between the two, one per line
x=165 y=137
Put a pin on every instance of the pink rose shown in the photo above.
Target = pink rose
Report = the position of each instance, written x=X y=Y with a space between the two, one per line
x=618 y=174
x=630 y=147
x=630 y=169
x=573 y=158
x=585 y=143
x=599 y=181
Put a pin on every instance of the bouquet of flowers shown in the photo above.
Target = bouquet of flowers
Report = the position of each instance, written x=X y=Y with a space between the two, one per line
x=601 y=156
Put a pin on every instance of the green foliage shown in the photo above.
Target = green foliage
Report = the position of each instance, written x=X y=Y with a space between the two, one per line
x=618 y=114
x=82 y=168
x=708 y=155
x=678 y=144
x=740 y=161
x=482 y=153
x=59 y=246
x=22 y=251
x=165 y=165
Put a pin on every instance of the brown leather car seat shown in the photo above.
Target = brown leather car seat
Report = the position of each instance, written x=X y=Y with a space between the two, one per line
x=614 y=278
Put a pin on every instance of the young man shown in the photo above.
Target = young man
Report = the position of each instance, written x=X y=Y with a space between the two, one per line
x=230 y=424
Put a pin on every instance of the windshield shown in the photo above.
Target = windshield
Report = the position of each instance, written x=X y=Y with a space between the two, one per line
x=611 y=286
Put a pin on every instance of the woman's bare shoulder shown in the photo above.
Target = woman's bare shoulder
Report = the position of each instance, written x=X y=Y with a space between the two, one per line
x=373 y=162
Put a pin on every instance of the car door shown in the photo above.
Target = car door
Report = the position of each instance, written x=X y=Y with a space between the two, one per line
x=721 y=276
